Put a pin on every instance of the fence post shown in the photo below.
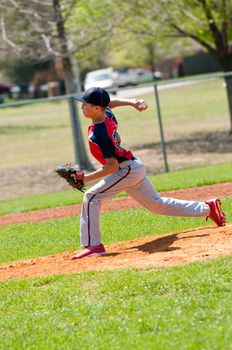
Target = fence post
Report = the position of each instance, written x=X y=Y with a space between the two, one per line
x=163 y=144
x=81 y=156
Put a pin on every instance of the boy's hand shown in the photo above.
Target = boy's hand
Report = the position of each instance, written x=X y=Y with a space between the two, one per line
x=140 y=105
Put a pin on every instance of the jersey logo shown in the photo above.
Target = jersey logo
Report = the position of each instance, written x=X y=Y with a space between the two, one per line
x=117 y=141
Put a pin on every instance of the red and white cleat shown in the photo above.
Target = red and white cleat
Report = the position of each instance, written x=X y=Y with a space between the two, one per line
x=93 y=250
x=216 y=213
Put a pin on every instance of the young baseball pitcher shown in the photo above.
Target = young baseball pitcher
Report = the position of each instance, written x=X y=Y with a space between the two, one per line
x=121 y=171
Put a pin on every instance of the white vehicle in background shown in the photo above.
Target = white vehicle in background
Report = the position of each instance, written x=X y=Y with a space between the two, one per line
x=125 y=76
x=103 y=78
x=158 y=75
x=110 y=78
x=146 y=76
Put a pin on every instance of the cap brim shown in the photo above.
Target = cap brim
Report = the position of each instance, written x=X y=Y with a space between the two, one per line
x=79 y=97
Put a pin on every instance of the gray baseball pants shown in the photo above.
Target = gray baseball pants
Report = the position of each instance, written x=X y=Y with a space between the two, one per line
x=130 y=178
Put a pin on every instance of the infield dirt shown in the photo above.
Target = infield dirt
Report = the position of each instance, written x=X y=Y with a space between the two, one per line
x=147 y=252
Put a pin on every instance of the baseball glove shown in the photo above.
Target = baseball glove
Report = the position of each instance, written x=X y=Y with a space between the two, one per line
x=72 y=175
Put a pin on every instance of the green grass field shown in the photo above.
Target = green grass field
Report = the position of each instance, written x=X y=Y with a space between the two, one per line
x=186 y=307
x=197 y=107
x=218 y=173
x=41 y=133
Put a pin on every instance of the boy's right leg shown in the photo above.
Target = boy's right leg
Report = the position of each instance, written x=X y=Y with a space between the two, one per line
x=115 y=183
x=89 y=223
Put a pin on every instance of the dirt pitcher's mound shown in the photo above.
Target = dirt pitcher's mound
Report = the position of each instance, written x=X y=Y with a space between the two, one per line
x=156 y=251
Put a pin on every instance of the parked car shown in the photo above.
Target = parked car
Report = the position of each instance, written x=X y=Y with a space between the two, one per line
x=110 y=78
x=15 y=91
x=125 y=76
x=9 y=90
x=5 y=89
x=158 y=75
x=103 y=78
x=144 y=75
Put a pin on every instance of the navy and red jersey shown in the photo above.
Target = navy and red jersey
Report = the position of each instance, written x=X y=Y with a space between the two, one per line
x=105 y=142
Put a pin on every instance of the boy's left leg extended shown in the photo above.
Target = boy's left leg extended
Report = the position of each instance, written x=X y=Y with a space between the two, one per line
x=149 y=198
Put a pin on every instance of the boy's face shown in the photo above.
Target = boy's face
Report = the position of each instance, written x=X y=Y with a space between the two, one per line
x=88 y=109
x=92 y=111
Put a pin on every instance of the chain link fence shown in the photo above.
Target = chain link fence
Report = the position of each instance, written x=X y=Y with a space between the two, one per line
x=36 y=137
x=194 y=121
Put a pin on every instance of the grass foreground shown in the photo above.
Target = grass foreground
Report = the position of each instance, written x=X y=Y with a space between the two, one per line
x=186 y=307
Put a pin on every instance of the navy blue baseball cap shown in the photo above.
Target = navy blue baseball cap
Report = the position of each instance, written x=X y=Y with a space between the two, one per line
x=95 y=95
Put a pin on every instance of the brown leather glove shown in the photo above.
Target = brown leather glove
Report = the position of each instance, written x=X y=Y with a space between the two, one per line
x=72 y=175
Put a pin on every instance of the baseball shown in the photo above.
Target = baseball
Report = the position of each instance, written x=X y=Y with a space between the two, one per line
x=142 y=105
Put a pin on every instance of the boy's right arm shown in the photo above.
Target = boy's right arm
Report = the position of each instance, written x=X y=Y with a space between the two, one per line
x=110 y=167
x=138 y=104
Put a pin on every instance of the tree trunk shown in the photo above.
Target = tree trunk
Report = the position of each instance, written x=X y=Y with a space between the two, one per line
x=70 y=86
x=226 y=63
x=65 y=57
x=151 y=56
x=228 y=81
x=80 y=150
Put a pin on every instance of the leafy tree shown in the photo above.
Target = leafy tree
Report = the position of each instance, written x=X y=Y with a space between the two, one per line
x=207 y=22
x=56 y=29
